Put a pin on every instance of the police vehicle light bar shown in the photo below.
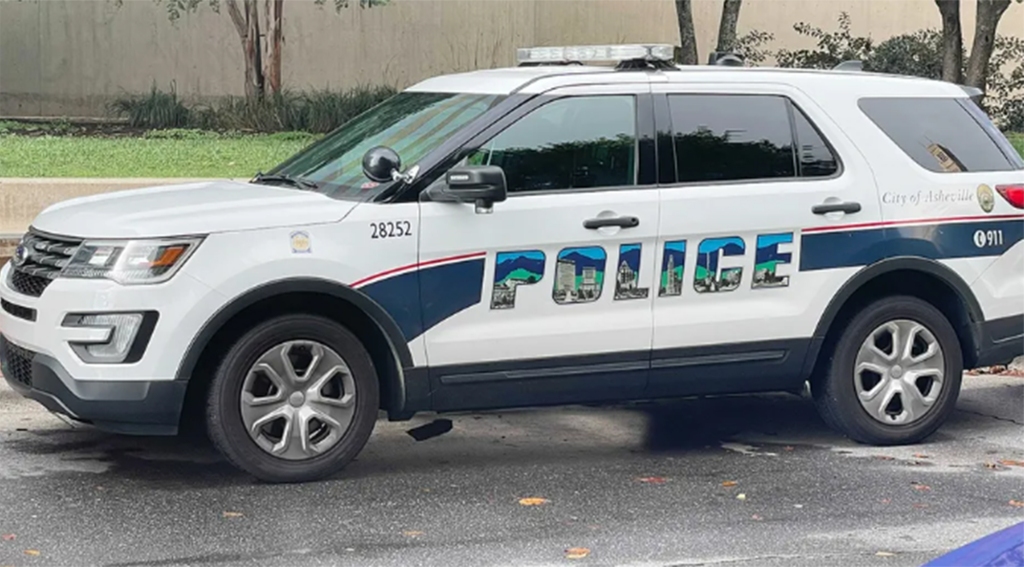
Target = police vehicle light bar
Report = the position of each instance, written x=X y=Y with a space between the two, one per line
x=581 y=53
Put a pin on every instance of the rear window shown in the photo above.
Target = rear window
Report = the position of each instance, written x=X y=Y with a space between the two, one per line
x=940 y=134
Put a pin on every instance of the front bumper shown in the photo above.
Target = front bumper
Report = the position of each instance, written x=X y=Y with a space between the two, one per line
x=132 y=407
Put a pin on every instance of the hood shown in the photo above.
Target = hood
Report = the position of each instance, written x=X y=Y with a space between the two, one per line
x=193 y=208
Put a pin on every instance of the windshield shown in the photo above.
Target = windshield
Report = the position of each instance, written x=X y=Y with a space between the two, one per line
x=411 y=123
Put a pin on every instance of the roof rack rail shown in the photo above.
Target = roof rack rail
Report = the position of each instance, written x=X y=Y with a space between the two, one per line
x=725 y=59
x=631 y=56
x=974 y=93
x=852 y=65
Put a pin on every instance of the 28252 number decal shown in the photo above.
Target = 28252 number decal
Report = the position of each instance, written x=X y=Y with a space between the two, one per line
x=389 y=229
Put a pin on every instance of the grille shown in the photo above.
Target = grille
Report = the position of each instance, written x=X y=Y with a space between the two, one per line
x=17 y=362
x=18 y=311
x=46 y=257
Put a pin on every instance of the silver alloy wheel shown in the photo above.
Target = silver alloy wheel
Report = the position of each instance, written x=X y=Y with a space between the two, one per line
x=899 y=372
x=298 y=400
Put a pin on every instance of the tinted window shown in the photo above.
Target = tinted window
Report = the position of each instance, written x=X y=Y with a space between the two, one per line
x=814 y=158
x=938 y=133
x=732 y=137
x=571 y=143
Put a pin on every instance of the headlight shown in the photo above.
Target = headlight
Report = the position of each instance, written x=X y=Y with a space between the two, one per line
x=130 y=261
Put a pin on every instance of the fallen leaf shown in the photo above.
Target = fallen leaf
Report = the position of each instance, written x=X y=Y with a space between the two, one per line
x=885 y=501
x=920 y=505
x=653 y=479
x=883 y=457
x=32 y=552
x=8 y=537
x=729 y=483
x=756 y=517
x=741 y=496
x=412 y=533
x=787 y=448
x=884 y=554
x=1016 y=503
x=533 y=501
x=919 y=486
x=921 y=456
x=576 y=553
x=232 y=514
x=1011 y=463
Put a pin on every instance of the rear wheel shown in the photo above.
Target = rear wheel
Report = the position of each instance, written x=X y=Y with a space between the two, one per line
x=295 y=399
x=894 y=374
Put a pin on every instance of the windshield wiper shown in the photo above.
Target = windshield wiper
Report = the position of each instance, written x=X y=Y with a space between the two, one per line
x=287 y=179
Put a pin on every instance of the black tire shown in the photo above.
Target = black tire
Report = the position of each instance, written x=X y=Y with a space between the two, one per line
x=223 y=408
x=834 y=390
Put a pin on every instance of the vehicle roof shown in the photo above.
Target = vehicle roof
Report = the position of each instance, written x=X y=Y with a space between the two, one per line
x=534 y=80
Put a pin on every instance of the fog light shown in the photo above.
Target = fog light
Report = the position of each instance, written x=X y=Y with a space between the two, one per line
x=124 y=328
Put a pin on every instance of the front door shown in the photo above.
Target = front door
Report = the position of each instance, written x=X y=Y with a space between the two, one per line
x=557 y=307
x=762 y=175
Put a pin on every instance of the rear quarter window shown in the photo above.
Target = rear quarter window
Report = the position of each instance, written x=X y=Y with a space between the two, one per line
x=937 y=133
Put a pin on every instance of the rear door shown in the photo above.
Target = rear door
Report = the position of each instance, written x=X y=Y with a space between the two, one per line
x=754 y=171
x=554 y=302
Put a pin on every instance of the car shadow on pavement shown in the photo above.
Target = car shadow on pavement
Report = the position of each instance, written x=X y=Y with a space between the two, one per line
x=518 y=439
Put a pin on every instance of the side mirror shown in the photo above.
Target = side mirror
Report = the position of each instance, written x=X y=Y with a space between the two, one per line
x=483 y=185
x=381 y=163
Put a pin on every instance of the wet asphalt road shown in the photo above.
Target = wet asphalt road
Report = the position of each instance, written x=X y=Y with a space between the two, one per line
x=80 y=497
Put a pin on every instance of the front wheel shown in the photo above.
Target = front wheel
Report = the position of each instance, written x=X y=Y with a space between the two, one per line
x=894 y=374
x=295 y=399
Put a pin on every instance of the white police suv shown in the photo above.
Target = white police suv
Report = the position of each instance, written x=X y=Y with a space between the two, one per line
x=563 y=233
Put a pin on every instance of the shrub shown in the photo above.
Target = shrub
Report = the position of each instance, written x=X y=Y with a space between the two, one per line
x=1007 y=89
x=155 y=110
x=833 y=47
x=317 y=111
x=918 y=54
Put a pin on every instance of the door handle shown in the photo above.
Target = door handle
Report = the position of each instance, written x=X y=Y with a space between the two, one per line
x=623 y=222
x=843 y=207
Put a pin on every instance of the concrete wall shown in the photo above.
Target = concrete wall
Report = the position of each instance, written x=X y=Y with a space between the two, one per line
x=68 y=57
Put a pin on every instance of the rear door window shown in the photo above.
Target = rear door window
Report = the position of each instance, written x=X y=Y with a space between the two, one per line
x=745 y=137
x=937 y=133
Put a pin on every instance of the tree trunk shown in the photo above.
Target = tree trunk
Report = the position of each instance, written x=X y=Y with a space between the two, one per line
x=253 y=55
x=272 y=52
x=952 y=41
x=989 y=12
x=727 y=25
x=247 y=24
x=687 y=38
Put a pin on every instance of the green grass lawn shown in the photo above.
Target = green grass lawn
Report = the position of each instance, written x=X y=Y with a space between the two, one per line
x=1018 y=142
x=160 y=154
x=198 y=156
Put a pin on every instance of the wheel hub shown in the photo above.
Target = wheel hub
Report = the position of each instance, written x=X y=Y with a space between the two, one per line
x=298 y=400
x=899 y=372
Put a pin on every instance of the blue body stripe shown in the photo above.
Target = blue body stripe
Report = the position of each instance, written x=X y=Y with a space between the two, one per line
x=939 y=241
x=421 y=299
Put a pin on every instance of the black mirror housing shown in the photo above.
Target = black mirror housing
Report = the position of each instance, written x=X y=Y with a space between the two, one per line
x=480 y=184
x=381 y=163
